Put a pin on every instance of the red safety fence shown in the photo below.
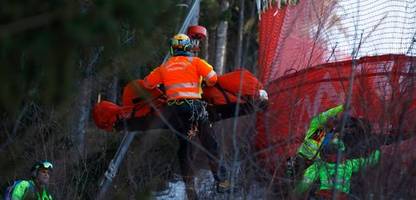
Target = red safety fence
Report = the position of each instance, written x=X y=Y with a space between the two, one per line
x=305 y=53
x=310 y=33
x=383 y=92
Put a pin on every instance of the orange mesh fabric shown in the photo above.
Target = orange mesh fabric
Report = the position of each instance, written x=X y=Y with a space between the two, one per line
x=305 y=54
x=383 y=92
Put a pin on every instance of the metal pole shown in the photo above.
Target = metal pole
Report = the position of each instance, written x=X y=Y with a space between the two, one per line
x=187 y=21
x=115 y=164
x=129 y=136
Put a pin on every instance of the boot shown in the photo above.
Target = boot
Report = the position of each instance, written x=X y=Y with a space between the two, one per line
x=190 y=187
x=223 y=186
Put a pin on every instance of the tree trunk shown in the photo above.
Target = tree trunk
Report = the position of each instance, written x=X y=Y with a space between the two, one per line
x=212 y=34
x=204 y=48
x=249 y=58
x=114 y=86
x=221 y=44
x=238 y=54
x=83 y=105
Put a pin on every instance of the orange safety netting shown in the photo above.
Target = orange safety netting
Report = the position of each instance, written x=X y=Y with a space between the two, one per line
x=305 y=55
x=383 y=92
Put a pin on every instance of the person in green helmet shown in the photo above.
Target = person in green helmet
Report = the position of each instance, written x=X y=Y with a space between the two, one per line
x=333 y=172
x=318 y=127
x=36 y=187
x=308 y=152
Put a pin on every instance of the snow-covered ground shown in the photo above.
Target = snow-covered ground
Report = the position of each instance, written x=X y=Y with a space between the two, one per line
x=175 y=190
x=205 y=186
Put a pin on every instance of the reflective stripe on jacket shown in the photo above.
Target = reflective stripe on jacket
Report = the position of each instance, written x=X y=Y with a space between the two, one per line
x=182 y=77
x=310 y=146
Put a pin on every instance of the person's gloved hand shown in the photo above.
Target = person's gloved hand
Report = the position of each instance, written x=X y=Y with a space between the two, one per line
x=162 y=88
x=263 y=95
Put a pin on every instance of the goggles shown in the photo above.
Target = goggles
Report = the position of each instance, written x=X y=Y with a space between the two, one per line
x=45 y=165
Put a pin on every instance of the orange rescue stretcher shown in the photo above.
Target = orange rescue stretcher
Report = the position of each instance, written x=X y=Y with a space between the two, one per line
x=140 y=109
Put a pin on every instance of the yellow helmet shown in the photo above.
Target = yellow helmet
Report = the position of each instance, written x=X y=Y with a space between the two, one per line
x=180 y=42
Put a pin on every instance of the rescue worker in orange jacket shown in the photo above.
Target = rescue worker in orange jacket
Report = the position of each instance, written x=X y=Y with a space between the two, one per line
x=181 y=76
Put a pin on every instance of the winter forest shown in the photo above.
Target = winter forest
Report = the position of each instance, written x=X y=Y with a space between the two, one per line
x=314 y=99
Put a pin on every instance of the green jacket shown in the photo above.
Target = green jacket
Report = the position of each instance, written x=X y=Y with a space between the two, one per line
x=26 y=190
x=315 y=134
x=325 y=173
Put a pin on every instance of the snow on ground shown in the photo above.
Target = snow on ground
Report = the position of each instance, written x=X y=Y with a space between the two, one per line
x=175 y=190
x=205 y=186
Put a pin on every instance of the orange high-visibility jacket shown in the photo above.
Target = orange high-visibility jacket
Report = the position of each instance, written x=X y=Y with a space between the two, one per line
x=182 y=77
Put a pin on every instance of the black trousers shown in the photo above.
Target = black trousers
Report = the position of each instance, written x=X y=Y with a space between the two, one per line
x=184 y=115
